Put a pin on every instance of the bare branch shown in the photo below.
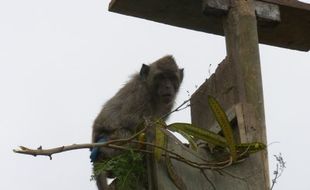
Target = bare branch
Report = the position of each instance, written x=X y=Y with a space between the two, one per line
x=179 y=108
x=51 y=151
x=279 y=169
x=207 y=178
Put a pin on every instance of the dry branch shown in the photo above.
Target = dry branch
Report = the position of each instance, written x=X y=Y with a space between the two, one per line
x=49 y=152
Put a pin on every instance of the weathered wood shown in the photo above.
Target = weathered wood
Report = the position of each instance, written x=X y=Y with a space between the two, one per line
x=290 y=33
x=243 y=53
x=215 y=7
x=270 y=13
x=237 y=85
x=192 y=177
x=267 y=12
x=220 y=85
x=246 y=129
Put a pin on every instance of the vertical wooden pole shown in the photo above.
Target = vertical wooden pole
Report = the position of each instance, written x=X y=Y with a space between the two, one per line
x=240 y=29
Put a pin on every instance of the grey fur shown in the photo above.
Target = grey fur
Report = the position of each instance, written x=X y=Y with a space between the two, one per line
x=149 y=94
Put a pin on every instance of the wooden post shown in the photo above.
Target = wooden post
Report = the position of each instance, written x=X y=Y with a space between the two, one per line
x=237 y=84
x=241 y=36
x=240 y=29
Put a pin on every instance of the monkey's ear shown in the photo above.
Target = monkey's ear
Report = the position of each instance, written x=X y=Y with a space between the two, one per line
x=181 y=71
x=145 y=69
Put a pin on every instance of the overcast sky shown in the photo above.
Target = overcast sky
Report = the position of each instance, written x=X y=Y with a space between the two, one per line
x=61 y=60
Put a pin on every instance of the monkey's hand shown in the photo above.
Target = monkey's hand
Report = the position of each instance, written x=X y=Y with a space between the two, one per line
x=95 y=151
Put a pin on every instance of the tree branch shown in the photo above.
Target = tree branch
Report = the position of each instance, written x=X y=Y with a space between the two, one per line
x=49 y=152
x=179 y=108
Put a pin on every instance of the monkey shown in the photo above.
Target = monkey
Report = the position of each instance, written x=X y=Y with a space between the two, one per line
x=150 y=93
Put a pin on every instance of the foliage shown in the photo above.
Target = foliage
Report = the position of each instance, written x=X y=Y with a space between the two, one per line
x=224 y=123
x=194 y=132
x=160 y=140
x=128 y=168
x=176 y=179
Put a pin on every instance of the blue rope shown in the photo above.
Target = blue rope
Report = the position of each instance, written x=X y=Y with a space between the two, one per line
x=95 y=151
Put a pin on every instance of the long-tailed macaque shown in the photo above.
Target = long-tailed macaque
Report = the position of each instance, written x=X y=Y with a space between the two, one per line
x=149 y=94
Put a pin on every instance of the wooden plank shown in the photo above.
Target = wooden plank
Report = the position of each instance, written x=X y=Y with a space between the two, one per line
x=250 y=174
x=266 y=12
x=220 y=85
x=290 y=33
x=192 y=177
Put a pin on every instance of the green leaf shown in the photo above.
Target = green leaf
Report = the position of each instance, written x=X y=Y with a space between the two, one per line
x=190 y=139
x=250 y=148
x=224 y=123
x=178 y=182
x=198 y=133
x=128 y=168
x=159 y=141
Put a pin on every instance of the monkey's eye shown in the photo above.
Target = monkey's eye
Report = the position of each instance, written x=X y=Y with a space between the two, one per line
x=160 y=76
x=173 y=78
x=167 y=78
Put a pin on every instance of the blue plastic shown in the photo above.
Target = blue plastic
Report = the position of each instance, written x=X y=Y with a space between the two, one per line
x=95 y=151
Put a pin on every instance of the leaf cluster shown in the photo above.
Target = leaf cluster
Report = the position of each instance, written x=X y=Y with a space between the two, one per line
x=193 y=133
x=128 y=169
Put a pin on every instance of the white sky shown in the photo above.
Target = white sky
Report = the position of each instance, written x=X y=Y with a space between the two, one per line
x=61 y=60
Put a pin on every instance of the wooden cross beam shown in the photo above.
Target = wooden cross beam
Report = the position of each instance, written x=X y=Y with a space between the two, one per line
x=291 y=32
x=237 y=82
x=265 y=12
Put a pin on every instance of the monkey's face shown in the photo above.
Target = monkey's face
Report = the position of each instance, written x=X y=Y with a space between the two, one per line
x=163 y=79
x=166 y=86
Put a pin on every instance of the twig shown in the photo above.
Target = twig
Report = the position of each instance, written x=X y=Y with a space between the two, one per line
x=51 y=151
x=231 y=174
x=274 y=180
x=112 y=144
x=179 y=108
x=279 y=169
x=201 y=165
x=208 y=179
